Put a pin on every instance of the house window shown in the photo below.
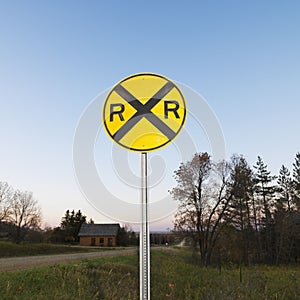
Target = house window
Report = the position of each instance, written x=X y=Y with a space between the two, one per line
x=93 y=241
x=110 y=242
x=101 y=241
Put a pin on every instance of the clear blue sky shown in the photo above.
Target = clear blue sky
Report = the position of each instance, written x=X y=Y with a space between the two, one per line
x=56 y=56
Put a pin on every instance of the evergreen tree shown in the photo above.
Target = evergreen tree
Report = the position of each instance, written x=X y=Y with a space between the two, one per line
x=71 y=224
x=240 y=206
x=265 y=193
x=296 y=181
x=285 y=190
x=282 y=214
x=264 y=189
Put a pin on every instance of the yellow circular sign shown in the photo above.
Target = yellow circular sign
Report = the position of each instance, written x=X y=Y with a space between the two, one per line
x=144 y=112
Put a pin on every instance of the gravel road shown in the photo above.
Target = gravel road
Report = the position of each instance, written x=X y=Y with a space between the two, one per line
x=20 y=263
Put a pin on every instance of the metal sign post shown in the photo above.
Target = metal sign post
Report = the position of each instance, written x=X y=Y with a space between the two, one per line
x=144 y=232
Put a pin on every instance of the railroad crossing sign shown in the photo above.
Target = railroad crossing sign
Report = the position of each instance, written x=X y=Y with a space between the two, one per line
x=144 y=112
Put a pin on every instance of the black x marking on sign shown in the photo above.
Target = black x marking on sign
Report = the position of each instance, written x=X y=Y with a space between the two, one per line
x=144 y=111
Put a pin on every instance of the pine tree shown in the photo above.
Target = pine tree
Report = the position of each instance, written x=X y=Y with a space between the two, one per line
x=296 y=181
x=264 y=189
x=71 y=224
x=240 y=206
x=265 y=193
x=283 y=214
x=285 y=190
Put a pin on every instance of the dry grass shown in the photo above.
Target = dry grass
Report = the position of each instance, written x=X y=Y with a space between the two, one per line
x=174 y=275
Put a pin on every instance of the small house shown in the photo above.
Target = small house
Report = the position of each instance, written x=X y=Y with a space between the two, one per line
x=103 y=235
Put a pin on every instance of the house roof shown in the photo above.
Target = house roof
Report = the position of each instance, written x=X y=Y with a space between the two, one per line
x=99 y=229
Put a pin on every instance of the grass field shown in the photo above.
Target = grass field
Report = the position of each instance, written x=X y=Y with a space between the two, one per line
x=8 y=249
x=174 y=275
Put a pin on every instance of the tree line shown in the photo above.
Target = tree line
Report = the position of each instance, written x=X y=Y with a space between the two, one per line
x=20 y=220
x=234 y=212
x=19 y=212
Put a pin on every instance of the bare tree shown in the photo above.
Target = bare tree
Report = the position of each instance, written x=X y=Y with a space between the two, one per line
x=26 y=213
x=6 y=194
x=203 y=200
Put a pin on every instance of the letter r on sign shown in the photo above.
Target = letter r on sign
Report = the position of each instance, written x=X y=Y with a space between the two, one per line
x=118 y=112
x=171 y=106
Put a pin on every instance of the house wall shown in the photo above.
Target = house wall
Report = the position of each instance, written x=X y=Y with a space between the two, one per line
x=88 y=241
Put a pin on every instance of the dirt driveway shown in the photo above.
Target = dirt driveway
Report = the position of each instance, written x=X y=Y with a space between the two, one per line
x=18 y=263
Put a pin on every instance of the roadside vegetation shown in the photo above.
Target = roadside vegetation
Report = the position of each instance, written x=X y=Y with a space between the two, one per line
x=175 y=274
x=9 y=249
x=233 y=212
